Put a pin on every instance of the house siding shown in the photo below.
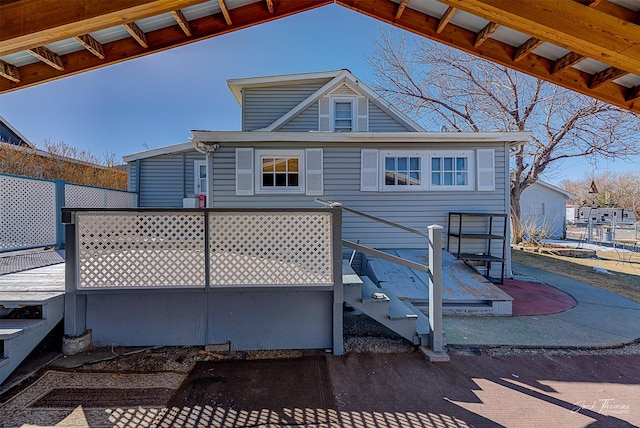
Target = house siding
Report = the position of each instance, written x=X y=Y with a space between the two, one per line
x=342 y=184
x=263 y=106
x=305 y=121
x=553 y=219
x=380 y=121
x=166 y=179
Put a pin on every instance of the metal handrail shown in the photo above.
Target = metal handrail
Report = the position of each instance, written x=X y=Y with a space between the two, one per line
x=371 y=217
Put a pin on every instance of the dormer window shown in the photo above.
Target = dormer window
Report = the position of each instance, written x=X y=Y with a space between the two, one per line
x=343 y=116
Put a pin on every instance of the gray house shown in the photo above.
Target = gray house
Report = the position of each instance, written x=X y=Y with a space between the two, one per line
x=328 y=135
x=543 y=207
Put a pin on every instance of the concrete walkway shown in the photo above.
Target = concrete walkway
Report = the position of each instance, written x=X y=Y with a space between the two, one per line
x=600 y=319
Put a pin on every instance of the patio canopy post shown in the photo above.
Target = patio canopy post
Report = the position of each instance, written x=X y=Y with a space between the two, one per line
x=435 y=288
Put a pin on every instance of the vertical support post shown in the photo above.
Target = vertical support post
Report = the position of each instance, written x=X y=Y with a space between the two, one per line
x=435 y=288
x=338 y=290
x=74 y=304
x=209 y=178
x=59 y=198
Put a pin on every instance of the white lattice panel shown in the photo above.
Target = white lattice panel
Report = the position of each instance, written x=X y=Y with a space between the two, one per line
x=121 y=250
x=27 y=211
x=118 y=199
x=270 y=248
x=76 y=196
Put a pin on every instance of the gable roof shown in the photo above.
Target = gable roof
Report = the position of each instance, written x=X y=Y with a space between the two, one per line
x=546 y=185
x=334 y=79
x=9 y=134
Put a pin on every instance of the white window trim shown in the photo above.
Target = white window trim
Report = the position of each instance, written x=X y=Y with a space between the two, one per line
x=196 y=177
x=469 y=154
x=354 y=113
x=425 y=170
x=299 y=189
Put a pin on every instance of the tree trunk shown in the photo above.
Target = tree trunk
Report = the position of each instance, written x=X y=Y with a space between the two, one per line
x=516 y=224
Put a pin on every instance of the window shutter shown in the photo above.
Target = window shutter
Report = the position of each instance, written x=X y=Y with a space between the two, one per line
x=363 y=114
x=323 y=118
x=486 y=170
x=244 y=171
x=369 y=170
x=314 y=178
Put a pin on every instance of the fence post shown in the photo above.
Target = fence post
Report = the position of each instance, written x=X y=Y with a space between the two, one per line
x=59 y=198
x=435 y=288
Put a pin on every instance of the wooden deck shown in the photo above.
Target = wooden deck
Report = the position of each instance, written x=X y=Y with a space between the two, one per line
x=463 y=290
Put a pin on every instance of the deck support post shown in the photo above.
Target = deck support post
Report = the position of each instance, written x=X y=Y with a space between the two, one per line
x=74 y=304
x=338 y=290
x=435 y=288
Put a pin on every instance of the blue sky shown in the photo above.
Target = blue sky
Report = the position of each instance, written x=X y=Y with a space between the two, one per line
x=156 y=100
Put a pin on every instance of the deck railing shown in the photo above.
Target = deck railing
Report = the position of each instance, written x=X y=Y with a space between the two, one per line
x=434 y=269
x=127 y=249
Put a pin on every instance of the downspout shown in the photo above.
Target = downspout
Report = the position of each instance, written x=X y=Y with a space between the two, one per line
x=207 y=150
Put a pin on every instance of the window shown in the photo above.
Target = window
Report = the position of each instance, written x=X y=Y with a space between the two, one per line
x=280 y=171
x=343 y=116
x=402 y=171
x=425 y=170
x=449 y=171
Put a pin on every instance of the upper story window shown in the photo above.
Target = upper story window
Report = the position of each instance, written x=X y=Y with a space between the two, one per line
x=343 y=116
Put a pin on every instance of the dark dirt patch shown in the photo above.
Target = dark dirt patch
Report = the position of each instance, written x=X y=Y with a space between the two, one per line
x=284 y=388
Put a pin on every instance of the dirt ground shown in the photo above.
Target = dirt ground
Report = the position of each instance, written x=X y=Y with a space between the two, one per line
x=623 y=269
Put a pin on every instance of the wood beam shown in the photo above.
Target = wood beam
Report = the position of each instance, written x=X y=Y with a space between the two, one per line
x=590 y=3
x=445 y=18
x=91 y=44
x=401 y=7
x=526 y=48
x=269 y=5
x=9 y=71
x=485 y=33
x=605 y=76
x=584 y=30
x=566 y=61
x=225 y=12
x=47 y=56
x=182 y=22
x=493 y=50
x=614 y=10
x=29 y=23
x=159 y=40
x=633 y=93
x=137 y=34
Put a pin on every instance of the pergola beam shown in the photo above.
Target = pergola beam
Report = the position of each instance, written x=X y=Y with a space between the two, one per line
x=91 y=45
x=493 y=50
x=605 y=76
x=47 y=56
x=158 y=40
x=401 y=7
x=40 y=22
x=225 y=12
x=269 y=6
x=566 y=61
x=182 y=22
x=445 y=18
x=526 y=48
x=9 y=71
x=485 y=33
x=584 y=30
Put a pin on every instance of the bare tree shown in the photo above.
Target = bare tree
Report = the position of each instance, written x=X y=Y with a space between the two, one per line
x=620 y=191
x=448 y=89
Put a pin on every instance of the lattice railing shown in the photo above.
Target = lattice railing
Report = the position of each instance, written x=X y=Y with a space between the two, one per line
x=27 y=213
x=119 y=250
x=76 y=196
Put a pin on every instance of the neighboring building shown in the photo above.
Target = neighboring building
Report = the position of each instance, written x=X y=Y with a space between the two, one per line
x=328 y=135
x=9 y=134
x=599 y=215
x=543 y=207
